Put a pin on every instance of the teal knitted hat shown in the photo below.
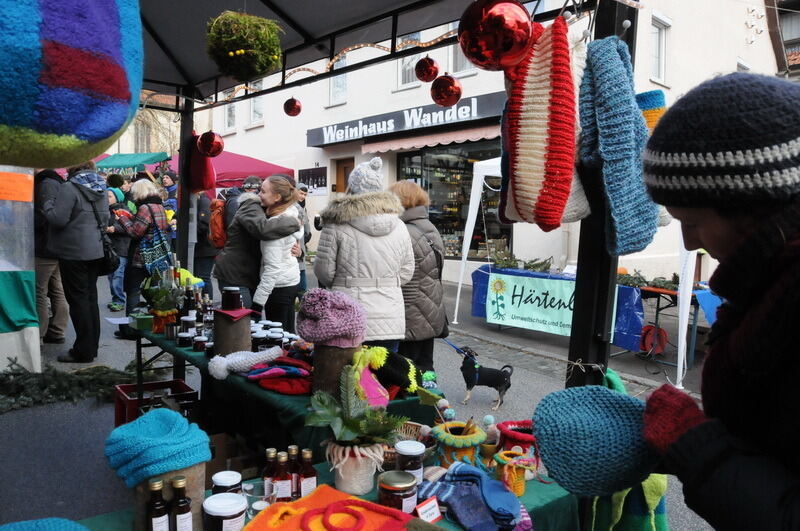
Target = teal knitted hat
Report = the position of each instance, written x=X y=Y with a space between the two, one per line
x=590 y=440
x=45 y=524
x=158 y=442
x=119 y=194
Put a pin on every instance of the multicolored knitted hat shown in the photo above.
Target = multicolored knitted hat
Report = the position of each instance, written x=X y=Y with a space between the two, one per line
x=653 y=104
x=732 y=141
x=70 y=75
x=590 y=439
x=331 y=318
x=541 y=128
x=613 y=135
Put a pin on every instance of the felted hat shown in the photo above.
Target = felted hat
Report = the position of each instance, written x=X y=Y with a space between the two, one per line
x=653 y=104
x=731 y=141
x=118 y=194
x=590 y=439
x=613 y=135
x=331 y=318
x=159 y=441
x=541 y=128
x=366 y=177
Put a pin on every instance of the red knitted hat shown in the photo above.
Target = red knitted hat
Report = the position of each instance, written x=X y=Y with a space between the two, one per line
x=541 y=125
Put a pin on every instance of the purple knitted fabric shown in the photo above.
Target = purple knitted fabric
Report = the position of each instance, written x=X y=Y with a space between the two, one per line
x=331 y=318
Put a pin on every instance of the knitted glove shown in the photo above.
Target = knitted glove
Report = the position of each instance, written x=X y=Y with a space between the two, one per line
x=668 y=414
x=242 y=361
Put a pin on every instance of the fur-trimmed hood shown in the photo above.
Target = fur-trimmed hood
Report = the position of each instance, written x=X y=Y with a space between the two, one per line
x=247 y=196
x=374 y=213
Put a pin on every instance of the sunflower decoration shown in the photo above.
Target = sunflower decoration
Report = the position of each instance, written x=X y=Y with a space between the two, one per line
x=244 y=46
x=498 y=286
x=498 y=302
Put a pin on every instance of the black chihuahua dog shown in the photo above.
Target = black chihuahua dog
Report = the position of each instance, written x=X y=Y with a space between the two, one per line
x=474 y=374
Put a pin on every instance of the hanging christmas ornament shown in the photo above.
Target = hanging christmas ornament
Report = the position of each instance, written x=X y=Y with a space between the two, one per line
x=210 y=144
x=446 y=90
x=494 y=34
x=426 y=69
x=292 y=107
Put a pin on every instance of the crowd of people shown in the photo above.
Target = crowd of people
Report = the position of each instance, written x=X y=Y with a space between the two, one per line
x=376 y=244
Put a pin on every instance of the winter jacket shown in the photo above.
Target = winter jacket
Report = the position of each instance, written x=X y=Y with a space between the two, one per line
x=119 y=238
x=279 y=269
x=46 y=189
x=74 y=233
x=423 y=294
x=741 y=470
x=364 y=250
x=232 y=196
x=301 y=260
x=203 y=248
x=149 y=215
x=239 y=262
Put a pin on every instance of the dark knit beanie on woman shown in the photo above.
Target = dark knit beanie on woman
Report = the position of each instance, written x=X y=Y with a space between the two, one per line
x=733 y=141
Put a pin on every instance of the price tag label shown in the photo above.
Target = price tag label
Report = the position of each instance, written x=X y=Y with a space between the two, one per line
x=429 y=510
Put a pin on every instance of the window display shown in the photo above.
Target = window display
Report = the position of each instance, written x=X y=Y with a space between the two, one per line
x=446 y=173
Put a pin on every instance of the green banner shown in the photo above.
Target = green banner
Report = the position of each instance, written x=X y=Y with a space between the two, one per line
x=541 y=304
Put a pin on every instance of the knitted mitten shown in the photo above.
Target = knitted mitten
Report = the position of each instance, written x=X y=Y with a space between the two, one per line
x=463 y=501
x=241 y=361
x=668 y=414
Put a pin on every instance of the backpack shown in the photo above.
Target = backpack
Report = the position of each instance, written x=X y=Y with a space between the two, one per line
x=217 y=231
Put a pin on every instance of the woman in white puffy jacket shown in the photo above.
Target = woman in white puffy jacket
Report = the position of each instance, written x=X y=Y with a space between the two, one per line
x=280 y=273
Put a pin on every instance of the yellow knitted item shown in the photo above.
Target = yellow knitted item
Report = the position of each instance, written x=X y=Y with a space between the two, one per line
x=652 y=116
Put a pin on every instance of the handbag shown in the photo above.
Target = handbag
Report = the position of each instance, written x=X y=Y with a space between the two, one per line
x=156 y=254
x=110 y=261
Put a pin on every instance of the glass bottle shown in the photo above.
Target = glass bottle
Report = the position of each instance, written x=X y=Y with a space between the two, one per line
x=294 y=470
x=308 y=475
x=157 y=517
x=282 y=481
x=180 y=512
x=198 y=312
x=268 y=474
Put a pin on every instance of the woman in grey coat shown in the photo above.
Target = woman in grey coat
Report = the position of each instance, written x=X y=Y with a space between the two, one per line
x=423 y=294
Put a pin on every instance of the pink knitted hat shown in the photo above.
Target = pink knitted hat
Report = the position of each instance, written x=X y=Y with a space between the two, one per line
x=331 y=318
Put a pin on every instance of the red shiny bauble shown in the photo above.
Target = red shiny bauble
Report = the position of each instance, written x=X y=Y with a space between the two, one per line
x=210 y=144
x=495 y=34
x=426 y=69
x=292 y=107
x=446 y=90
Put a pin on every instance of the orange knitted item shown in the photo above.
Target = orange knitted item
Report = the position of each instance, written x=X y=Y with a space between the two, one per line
x=327 y=505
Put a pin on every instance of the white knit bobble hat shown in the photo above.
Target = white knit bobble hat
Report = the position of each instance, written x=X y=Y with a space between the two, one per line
x=366 y=177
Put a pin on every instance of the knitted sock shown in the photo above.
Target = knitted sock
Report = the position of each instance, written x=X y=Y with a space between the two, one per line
x=503 y=505
x=653 y=105
x=463 y=501
x=525 y=522
x=242 y=361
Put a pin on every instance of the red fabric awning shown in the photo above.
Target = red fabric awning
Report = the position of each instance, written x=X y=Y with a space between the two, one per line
x=436 y=139
x=232 y=168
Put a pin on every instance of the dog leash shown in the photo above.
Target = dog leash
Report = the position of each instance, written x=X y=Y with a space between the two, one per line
x=466 y=355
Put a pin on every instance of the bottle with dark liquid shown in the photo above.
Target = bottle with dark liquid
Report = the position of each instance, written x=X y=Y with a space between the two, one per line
x=282 y=481
x=180 y=512
x=308 y=475
x=294 y=470
x=157 y=517
x=268 y=475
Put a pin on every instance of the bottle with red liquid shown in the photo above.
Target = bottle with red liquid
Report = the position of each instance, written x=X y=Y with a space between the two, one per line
x=294 y=470
x=282 y=481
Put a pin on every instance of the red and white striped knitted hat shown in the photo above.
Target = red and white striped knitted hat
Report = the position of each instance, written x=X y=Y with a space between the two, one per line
x=541 y=127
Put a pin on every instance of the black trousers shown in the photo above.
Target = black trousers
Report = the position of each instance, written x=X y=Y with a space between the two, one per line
x=420 y=352
x=280 y=307
x=79 y=279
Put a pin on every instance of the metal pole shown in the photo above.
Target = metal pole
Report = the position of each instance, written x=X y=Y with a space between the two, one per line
x=187 y=131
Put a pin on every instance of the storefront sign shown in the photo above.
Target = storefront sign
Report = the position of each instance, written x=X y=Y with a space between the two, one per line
x=475 y=108
x=534 y=303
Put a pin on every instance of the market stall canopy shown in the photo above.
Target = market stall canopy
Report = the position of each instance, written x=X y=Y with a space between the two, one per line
x=233 y=168
x=175 y=32
x=134 y=161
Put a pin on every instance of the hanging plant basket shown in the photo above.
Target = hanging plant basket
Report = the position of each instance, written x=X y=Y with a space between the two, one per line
x=244 y=46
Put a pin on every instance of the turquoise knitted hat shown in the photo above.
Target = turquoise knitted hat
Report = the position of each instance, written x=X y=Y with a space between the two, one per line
x=45 y=524
x=158 y=442
x=590 y=440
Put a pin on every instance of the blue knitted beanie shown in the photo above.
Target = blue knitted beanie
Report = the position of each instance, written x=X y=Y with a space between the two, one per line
x=613 y=135
x=45 y=524
x=590 y=440
x=732 y=141
x=157 y=442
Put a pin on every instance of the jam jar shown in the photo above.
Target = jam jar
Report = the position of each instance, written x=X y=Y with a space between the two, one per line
x=409 y=458
x=199 y=343
x=398 y=490
x=226 y=481
x=231 y=298
x=184 y=339
x=224 y=512
x=210 y=349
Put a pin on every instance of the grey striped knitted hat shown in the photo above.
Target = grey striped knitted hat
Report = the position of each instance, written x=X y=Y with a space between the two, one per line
x=732 y=141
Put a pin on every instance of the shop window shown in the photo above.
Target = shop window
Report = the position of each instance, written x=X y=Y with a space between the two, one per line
x=229 y=110
x=141 y=137
x=256 y=104
x=338 y=84
x=406 y=77
x=446 y=173
x=459 y=64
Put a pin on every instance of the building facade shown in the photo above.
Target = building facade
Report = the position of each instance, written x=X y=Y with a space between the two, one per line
x=385 y=111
